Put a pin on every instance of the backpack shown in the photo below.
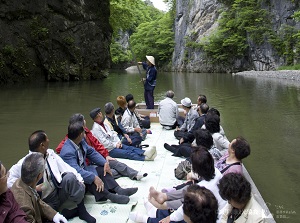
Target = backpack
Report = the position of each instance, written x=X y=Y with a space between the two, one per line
x=183 y=168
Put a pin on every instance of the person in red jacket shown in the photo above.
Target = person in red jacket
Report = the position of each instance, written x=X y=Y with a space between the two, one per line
x=118 y=169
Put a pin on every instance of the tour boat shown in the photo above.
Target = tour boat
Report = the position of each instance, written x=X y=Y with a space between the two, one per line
x=160 y=175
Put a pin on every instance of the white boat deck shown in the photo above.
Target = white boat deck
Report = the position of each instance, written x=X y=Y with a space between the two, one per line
x=160 y=175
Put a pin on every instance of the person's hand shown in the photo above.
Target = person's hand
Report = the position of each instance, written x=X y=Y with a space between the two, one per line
x=137 y=129
x=165 y=220
x=189 y=176
x=99 y=184
x=181 y=141
x=128 y=138
x=107 y=169
x=58 y=218
x=109 y=158
x=119 y=145
x=39 y=187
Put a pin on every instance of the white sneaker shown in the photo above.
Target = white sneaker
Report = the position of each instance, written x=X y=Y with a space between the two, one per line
x=138 y=217
x=149 y=154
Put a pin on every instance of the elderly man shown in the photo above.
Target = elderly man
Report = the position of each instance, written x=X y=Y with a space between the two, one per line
x=168 y=111
x=115 y=125
x=189 y=121
x=102 y=185
x=9 y=208
x=200 y=100
x=130 y=122
x=118 y=169
x=26 y=195
x=199 y=122
x=112 y=142
x=60 y=182
x=144 y=120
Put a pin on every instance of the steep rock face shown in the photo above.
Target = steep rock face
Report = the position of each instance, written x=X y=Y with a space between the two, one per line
x=198 y=18
x=62 y=39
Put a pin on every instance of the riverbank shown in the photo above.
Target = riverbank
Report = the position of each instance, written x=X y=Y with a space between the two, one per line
x=293 y=75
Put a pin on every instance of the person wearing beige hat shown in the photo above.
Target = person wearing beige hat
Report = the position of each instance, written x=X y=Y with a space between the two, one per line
x=149 y=81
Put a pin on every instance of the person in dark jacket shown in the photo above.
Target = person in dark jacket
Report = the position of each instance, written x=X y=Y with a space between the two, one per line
x=149 y=81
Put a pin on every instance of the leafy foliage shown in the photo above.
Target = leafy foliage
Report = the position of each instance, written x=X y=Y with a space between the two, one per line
x=128 y=14
x=154 y=38
x=151 y=29
x=240 y=21
x=15 y=63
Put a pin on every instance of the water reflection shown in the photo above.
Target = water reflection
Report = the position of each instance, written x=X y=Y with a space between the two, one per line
x=264 y=111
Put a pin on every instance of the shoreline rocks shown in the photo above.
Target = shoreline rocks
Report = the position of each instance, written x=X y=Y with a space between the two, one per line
x=293 y=75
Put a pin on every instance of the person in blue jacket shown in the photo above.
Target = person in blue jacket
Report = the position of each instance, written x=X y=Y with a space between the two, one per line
x=149 y=81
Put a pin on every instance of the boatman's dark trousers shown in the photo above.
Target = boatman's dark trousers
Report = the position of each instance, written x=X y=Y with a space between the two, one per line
x=149 y=99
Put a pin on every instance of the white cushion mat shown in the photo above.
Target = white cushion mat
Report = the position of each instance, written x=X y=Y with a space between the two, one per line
x=160 y=175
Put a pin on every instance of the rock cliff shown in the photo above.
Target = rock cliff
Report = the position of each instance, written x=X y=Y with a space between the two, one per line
x=60 y=39
x=196 y=19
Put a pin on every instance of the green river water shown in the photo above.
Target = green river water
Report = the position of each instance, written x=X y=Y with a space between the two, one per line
x=264 y=111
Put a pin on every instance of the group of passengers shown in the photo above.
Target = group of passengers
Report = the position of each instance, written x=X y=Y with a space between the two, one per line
x=215 y=189
x=35 y=188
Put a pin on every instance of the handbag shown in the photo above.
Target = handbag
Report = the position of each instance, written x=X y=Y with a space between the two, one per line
x=183 y=168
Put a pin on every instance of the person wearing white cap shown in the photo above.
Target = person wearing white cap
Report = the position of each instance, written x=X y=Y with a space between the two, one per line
x=149 y=81
x=189 y=121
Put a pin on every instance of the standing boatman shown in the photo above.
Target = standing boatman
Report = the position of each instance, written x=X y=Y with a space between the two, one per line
x=149 y=81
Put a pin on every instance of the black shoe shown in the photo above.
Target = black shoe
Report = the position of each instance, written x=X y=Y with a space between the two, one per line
x=68 y=214
x=169 y=148
x=83 y=214
x=126 y=191
x=118 y=199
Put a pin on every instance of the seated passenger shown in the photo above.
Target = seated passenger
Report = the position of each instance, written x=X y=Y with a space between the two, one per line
x=60 y=181
x=189 y=121
x=112 y=143
x=144 y=120
x=241 y=206
x=212 y=124
x=130 y=122
x=203 y=166
x=32 y=172
x=121 y=101
x=118 y=169
x=203 y=138
x=199 y=205
x=102 y=185
x=231 y=162
x=134 y=139
x=200 y=100
x=9 y=208
x=168 y=111
x=199 y=122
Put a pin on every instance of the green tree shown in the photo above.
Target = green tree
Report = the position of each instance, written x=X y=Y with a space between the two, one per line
x=240 y=21
x=126 y=16
x=154 y=38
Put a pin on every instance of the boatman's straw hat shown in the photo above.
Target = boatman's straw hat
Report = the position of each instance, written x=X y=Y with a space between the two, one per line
x=151 y=59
